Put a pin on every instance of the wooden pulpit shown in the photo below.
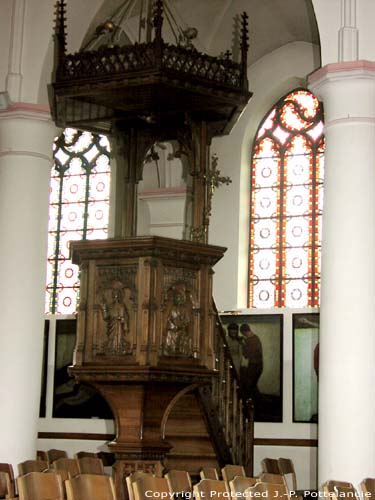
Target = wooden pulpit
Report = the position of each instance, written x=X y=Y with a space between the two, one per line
x=144 y=336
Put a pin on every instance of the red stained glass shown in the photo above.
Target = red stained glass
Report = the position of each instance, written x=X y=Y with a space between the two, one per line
x=286 y=205
x=79 y=209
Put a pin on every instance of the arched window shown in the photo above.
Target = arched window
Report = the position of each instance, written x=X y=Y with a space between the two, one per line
x=79 y=209
x=286 y=204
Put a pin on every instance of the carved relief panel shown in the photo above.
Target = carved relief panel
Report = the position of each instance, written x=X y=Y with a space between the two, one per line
x=180 y=312
x=115 y=309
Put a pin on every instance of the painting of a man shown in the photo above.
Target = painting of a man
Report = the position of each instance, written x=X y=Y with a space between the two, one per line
x=251 y=362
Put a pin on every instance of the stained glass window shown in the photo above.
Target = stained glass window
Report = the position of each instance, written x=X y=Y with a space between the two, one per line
x=79 y=209
x=286 y=204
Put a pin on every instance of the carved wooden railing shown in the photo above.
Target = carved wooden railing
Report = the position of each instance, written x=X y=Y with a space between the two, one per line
x=110 y=61
x=229 y=416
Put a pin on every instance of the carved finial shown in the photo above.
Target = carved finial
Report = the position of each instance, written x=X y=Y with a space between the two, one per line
x=60 y=25
x=244 y=31
x=59 y=35
x=244 y=48
x=158 y=25
x=158 y=17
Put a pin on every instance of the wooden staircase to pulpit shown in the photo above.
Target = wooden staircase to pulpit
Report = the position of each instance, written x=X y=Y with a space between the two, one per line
x=213 y=425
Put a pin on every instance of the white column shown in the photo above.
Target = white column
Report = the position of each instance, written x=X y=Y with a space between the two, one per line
x=26 y=136
x=347 y=324
x=14 y=77
x=348 y=33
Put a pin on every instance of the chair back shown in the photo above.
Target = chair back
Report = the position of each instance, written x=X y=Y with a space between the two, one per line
x=268 y=491
x=90 y=465
x=239 y=484
x=270 y=465
x=146 y=483
x=41 y=455
x=32 y=466
x=54 y=454
x=84 y=454
x=267 y=477
x=286 y=467
x=210 y=488
x=179 y=481
x=339 y=490
x=131 y=479
x=209 y=473
x=90 y=487
x=6 y=486
x=40 y=486
x=368 y=487
x=68 y=464
x=229 y=472
x=8 y=469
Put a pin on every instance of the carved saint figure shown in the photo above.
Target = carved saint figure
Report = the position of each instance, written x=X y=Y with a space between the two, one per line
x=177 y=335
x=116 y=317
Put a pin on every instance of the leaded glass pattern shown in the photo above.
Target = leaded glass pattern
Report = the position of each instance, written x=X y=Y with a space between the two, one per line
x=286 y=205
x=78 y=210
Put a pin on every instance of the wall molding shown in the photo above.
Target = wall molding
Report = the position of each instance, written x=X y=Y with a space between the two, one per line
x=81 y=436
x=307 y=443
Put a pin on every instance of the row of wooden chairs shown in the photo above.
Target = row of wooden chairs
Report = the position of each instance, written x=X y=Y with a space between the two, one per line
x=50 y=486
x=66 y=468
x=70 y=466
x=54 y=454
x=179 y=484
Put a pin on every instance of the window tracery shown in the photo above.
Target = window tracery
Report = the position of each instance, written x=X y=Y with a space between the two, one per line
x=286 y=204
x=78 y=209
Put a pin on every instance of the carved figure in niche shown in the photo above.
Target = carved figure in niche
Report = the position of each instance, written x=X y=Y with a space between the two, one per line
x=116 y=317
x=177 y=339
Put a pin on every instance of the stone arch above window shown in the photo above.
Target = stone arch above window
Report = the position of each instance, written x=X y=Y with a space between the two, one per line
x=286 y=197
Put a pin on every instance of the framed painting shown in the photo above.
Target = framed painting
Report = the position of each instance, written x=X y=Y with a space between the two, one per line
x=305 y=367
x=43 y=387
x=256 y=345
x=72 y=399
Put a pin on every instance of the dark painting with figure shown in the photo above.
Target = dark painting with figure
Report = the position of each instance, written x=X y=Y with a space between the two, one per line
x=305 y=367
x=71 y=399
x=255 y=343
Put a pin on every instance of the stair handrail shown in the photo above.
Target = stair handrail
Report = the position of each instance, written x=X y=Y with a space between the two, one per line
x=231 y=417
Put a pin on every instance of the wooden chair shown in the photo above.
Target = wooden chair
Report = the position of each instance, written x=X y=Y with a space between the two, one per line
x=6 y=486
x=286 y=467
x=90 y=465
x=270 y=465
x=209 y=473
x=239 y=484
x=90 y=487
x=40 y=486
x=84 y=454
x=267 y=491
x=8 y=469
x=68 y=464
x=368 y=487
x=210 y=488
x=146 y=483
x=32 y=466
x=230 y=471
x=54 y=454
x=339 y=490
x=179 y=482
x=131 y=478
